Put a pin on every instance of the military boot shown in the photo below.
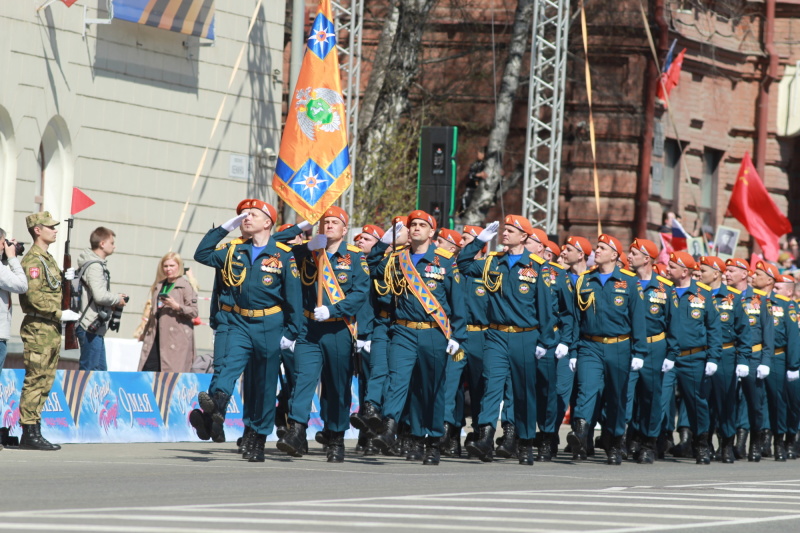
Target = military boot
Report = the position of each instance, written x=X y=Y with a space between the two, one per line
x=647 y=453
x=432 y=454
x=554 y=445
x=684 y=446
x=525 y=449
x=372 y=417
x=726 y=445
x=472 y=436
x=780 y=448
x=508 y=448
x=703 y=453
x=577 y=439
x=32 y=439
x=294 y=442
x=482 y=447
x=257 y=448
x=384 y=440
x=766 y=443
x=363 y=440
x=544 y=452
x=665 y=442
x=454 y=449
x=201 y=422
x=335 y=450
x=631 y=445
x=248 y=440
x=614 y=451
x=323 y=437
x=791 y=446
x=417 y=450
x=754 y=450
x=741 y=443
x=444 y=440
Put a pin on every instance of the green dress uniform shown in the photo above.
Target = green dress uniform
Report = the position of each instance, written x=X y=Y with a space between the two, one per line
x=40 y=331
x=792 y=395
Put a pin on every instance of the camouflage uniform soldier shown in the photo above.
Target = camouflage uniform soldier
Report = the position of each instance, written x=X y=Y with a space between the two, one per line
x=41 y=328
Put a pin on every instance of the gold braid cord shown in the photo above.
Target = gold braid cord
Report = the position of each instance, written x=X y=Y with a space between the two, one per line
x=308 y=278
x=491 y=285
x=228 y=277
x=583 y=305
x=393 y=277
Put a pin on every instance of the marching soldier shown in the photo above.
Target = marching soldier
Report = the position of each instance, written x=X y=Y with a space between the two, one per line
x=41 y=328
x=785 y=288
x=521 y=329
x=613 y=342
x=325 y=344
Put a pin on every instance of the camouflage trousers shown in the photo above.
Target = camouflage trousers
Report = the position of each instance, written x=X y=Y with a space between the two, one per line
x=41 y=341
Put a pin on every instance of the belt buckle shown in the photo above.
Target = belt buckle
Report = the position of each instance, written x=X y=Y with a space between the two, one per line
x=418 y=325
x=250 y=313
x=512 y=329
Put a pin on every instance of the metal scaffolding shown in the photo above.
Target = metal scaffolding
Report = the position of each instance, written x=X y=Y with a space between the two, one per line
x=546 y=113
x=349 y=23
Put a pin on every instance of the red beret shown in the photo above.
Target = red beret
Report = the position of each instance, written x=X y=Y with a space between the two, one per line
x=646 y=247
x=521 y=223
x=284 y=227
x=660 y=269
x=786 y=278
x=553 y=247
x=683 y=259
x=770 y=269
x=419 y=214
x=624 y=258
x=371 y=229
x=451 y=236
x=402 y=219
x=713 y=262
x=335 y=211
x=252 y=203
x=737 y=262
x=613 y=242
x=582 y=244
x=473 y=230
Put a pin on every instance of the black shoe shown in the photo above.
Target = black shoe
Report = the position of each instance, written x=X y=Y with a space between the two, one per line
x=335 y=450
x=206 y=403
x=201 y=422
x=739 y=449
x=647 y=453
x=280 y=431
x=386 y=438
x=323 y=437
x=508 y=448
x=482 y=447
x=455 y=444
x=357 y=422
x=257 y=449
x=372 y=417
x=791 y=446
x=545 y=454
x=754 y=451
x=577 y=438
x=728 y=457
x=444 y=440
x=472 y=436
x=684 y=446
x=632 y=445
x=417 y=451
x=766 y=443
x=32 y=439
x=780 y=449
x=294 y=442
x=703 y=453
x=525 y=450
x=665 y=442
x=431 y=451
x=248 y=439
x=364 y=437
x=614 y=451
x=217 y=432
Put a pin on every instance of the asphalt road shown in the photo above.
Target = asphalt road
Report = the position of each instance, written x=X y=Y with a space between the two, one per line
x=204 y=487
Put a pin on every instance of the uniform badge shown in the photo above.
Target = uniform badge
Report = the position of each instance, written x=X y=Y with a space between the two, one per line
x=271 y=264
x=792 y=316
x=752 y=320
x=267 y=279
x=696 y=313
x=343 y=262
x=295 y=272
x=342 y=277
x=777 y=321
x=524 y=288
x=480 y=291
x=33 y=272
x=698 y=301
x=364 y=267
x=528 y=274
x=724 y=316
x=777 y=311
x=431 y=285
x=619 y=300
x=621 y=284
x=654 y=309
x=457 y=277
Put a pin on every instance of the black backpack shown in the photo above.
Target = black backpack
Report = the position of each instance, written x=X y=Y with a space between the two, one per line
x=76 y=302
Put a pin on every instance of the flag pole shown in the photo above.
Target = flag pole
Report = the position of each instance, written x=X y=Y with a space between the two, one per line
x=46 y=4
x=320 y=277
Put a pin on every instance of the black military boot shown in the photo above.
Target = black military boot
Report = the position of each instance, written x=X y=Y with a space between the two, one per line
x=336 y=447
x=741 y=443
x=217 y=432
x=791 y=446
x=780 y=448
x=417 y=449
x=371 y=417
x=472 y=436
x=684 y=446
x=554 y=444
x=665 y=442
x=444 y=440
x=508 y=448
x=248 y=439
x=726 y=447
x=754 y=450
x=766 y=443
x=631 y=444
x=32 y=439
x=256 y=454
x=525 y=449
x=647 y=453
x=323 y=437
x=482 y=447
x=386 y=438
x=577 y=439
x=432 y=454
x=369 y=448
x=614 y=451
x=703 y=453
x=201 y=422
x=294 y=442
x=363 y=440
x=454 y=450
x=544 y=453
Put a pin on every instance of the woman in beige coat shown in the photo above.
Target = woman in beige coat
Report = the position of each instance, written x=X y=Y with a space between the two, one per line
x=168 y=336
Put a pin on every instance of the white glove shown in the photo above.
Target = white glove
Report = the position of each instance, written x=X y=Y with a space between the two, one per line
x=742 y=371
x=792 y=375
x=489 y=233
x=452 y=347
x=390 y=236
x=286 y=344
x=69 y=274
x=367 y=347
x=360 y=345
x=561 y=351
x=667 y=365
x=573 y=363
x=711 y=368
x=762 y=371
x=304 y=225
x=318 y=242
x=321 y=313
x=68 y=315
x=540 y=351
x=637 y=363
x=235 y=222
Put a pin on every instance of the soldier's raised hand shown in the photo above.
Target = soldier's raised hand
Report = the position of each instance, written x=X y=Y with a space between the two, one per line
x=490 y=232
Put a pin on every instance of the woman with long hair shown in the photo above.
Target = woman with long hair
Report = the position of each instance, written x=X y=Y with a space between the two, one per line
x=168 y=336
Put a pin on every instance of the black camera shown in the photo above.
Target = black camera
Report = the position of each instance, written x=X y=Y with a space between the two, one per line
x=99 y=320
x=19 y=247
x=116 y=315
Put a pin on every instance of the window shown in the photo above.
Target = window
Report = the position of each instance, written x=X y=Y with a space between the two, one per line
x=672 y=172
x=707 y=208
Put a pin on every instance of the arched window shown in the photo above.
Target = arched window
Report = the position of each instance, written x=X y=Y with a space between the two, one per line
x=8 y=171
x=54 y=188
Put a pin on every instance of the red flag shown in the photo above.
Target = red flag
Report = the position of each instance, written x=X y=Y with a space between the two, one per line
x=666 y=248
x=752 y=205
x=69 y=4
x=669 y=79
x=79 y=201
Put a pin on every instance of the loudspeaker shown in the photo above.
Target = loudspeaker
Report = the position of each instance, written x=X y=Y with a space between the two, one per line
x=436 y=176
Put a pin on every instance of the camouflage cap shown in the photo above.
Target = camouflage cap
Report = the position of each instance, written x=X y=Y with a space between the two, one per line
x=42 y=218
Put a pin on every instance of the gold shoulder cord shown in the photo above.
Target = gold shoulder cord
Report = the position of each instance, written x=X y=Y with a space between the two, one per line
x=490 y=284
x=228 y=277
x=393 y=277
x=583 y=305
x=307 y=279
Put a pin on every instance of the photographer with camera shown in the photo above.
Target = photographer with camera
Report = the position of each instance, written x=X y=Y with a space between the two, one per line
x=99 y=305
x=12 y=279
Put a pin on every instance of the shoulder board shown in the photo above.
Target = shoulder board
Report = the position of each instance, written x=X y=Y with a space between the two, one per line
x=444 y=253
x=734 y=291
x=627 y=272
x=537 y=259
x=351 y=248
x=703 y=286
x=557 y=265
x=496 y=254
x=239 y=240
x=759 y=291
x=284 y=247
x=222 y=246
x=586 y=271
x=665 y=281
x=782 y=297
